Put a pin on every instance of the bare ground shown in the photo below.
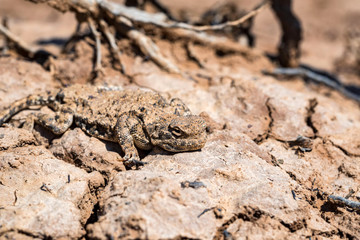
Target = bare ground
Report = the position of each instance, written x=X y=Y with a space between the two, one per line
x=248 y=182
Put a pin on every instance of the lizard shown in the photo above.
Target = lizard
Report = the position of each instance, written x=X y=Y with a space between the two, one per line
x=132 y=118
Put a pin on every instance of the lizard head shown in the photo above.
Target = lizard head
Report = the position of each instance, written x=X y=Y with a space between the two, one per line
x=179 y=134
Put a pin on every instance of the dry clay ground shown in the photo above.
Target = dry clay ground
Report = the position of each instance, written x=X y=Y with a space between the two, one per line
x=246 y=183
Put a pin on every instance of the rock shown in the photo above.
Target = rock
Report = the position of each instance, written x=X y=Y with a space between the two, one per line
x=135 y=204
x=41 y=196
x=87 y=152
x=229 y=103
x=20 y=78
x=339 y=123
x=15 y=137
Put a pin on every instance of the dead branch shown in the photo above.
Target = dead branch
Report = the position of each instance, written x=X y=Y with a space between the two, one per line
x=112 y=42
x=149 y=48
x=141 y=4
x=182 y=30
x=159 y=20
x=289 y=47
x=222 y=25
x=222 y=12
x=98 y=67
x=142 y=17
x=126 y=19
x=318 y=77
x=218 y=43
x=91 y=9
x=343 y=201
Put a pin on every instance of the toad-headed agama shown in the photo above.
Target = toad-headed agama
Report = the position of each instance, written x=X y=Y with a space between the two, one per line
x=130 y=117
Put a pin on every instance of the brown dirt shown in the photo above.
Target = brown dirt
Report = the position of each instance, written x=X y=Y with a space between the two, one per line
x=251 y=183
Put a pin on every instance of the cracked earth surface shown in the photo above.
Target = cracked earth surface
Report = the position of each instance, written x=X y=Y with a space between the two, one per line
x=252 y=180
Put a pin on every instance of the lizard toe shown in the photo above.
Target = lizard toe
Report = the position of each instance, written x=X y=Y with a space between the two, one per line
x=132 y=162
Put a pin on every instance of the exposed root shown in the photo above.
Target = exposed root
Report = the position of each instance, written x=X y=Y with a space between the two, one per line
x=112 y=42
x=329 y=204
x=154 y=3
x=222 y=12
x=222 y=44
x=102 y=14
x=141 y=17
x=93 y=13
x=318 y=76
x=221 y=26
x=289 y=47
x=97 y=67
x=149 y=48
x=345 y=202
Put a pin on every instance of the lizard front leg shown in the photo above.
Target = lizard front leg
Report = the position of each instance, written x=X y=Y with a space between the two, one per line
x=124 y=130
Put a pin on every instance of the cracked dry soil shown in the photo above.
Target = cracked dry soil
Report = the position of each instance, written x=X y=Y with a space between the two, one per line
x=252 y=180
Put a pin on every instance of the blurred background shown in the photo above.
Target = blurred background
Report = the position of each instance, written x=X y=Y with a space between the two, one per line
x=325 y=24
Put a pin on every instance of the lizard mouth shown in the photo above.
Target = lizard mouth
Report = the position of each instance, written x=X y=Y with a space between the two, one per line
x=182 y=145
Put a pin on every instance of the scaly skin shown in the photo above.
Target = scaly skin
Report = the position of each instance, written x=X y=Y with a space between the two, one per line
x=131 y=118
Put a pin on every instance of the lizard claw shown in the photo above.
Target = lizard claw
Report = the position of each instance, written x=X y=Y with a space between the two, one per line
x=132 y=162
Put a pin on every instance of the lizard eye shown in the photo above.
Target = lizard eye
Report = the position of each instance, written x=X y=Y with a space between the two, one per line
x=176 y=131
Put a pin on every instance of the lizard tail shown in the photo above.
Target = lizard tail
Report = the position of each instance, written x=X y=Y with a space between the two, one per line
x=25 y=103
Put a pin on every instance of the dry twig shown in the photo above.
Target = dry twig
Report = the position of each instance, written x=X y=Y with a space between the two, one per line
x=343 y=201
x=318 y=77
x=159 y=20
x=88 y=9
x=218 y=43
x=97 y=35
x=103 y=13
x=148 y=47
x=112 y=42
x=222 y=25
